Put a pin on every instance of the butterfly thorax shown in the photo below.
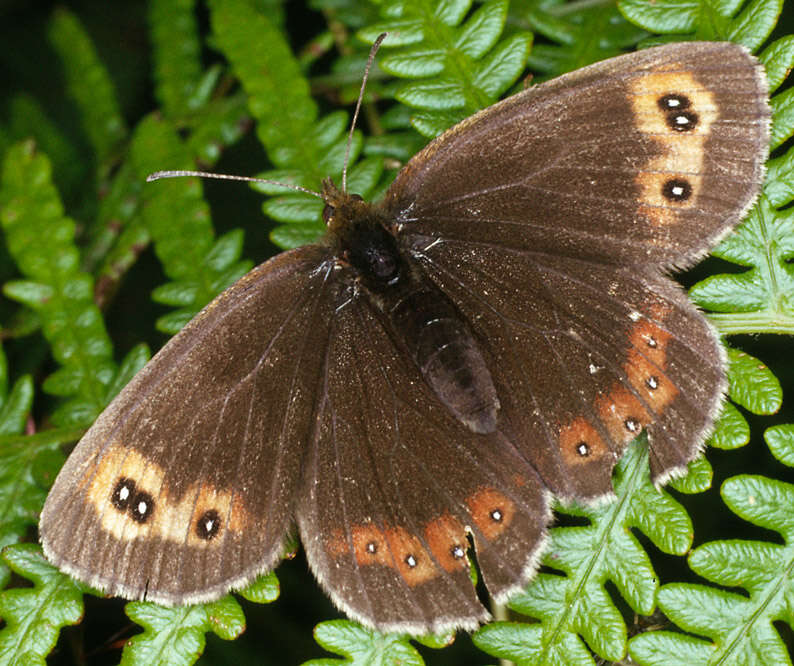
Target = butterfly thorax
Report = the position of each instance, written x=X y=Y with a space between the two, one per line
x=416 y=311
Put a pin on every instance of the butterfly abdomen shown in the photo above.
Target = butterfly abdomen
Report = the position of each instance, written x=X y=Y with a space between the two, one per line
x=447 y=354
x=419 y=316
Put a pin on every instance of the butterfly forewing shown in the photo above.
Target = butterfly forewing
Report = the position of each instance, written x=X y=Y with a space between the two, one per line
x=185 y=485
x=643 y=158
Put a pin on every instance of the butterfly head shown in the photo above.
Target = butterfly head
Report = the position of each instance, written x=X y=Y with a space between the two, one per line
x=361 y=236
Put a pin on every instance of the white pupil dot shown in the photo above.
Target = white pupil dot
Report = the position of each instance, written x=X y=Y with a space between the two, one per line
x=208 y=525
x=678 y=190
x=410 y=561
x=142 y=507
x=673 y=102
x=653 y=382
x=496 y=514
x=682 y=120
x=124 y=493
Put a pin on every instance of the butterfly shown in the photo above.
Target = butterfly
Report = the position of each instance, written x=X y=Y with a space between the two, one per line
x=412 y=390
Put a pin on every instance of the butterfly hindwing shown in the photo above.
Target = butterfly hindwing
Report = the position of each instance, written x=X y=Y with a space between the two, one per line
x=594 y=356
x=395 y=485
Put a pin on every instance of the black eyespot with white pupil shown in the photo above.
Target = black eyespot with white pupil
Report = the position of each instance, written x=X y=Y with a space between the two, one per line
x=583 y=449
x=678 y=115
x=496 y=515
x=208 y=524
x=685 y=121
x=677 y=189
x=410 y=560
x=457 y=552
x=632 y=425
x=141 y=506
x=122 y=493
x=372 y=548
x=652 y=382
x=674 y=102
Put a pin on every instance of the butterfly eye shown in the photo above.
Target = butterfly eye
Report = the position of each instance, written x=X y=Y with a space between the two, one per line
x=330 y=210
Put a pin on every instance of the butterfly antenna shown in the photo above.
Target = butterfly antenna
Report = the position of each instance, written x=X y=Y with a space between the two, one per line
x=370 y=60
x=157 y=175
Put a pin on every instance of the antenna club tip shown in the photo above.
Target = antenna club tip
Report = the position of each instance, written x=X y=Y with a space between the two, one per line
x=159 y=175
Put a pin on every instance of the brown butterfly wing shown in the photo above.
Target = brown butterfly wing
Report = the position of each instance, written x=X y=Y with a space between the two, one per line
x=185 y=485
x=645 y=158
x=594 y=355
x=551 y=228
x=394 y=485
